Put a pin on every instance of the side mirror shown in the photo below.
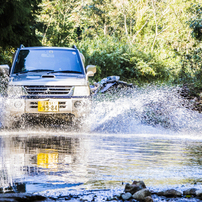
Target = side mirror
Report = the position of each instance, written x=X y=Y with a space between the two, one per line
x=90 y=73
x=4 y=69
x=91 y=68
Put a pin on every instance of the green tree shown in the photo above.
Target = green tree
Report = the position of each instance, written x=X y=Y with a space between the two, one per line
x=60 y=23
x=196 y=20
x=144 y=39
x=17 y=22
x=191 y=71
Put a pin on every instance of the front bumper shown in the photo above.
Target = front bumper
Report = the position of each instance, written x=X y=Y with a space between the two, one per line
x=76 y=106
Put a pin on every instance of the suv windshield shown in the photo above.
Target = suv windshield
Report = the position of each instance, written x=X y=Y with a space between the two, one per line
x=63 y=61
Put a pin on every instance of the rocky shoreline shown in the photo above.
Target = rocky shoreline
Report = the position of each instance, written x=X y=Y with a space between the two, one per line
x=135 y=192
x=138 y=191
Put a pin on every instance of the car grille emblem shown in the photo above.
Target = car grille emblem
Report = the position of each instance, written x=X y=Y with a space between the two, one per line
x=47 y=91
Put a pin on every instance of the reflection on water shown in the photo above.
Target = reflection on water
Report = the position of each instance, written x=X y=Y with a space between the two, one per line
x=48 y=159
x=40 y=160
x=96 y=161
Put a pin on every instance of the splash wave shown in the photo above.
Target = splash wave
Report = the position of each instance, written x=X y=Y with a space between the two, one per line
x=150 y=109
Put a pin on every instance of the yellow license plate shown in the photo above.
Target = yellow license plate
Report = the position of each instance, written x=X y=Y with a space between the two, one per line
x=47 y=106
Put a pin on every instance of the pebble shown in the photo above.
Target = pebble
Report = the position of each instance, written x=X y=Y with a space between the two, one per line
x=199 y=193
x=126 y=196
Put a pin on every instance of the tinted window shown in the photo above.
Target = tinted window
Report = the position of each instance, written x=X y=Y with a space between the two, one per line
x=56 y=60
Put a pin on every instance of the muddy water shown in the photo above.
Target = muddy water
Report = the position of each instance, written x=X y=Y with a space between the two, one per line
x=149 y=135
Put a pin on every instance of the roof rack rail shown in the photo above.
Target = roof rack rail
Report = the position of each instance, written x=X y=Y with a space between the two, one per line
x=22 y=46
x=74 y=46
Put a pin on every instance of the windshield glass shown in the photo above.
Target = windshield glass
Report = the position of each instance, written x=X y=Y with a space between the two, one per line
x=48 y=60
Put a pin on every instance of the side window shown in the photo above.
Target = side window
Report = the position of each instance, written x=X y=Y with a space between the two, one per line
x=20 y=61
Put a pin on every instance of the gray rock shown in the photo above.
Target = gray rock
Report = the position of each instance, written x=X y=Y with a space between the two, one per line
x=148 y=199
x=160 y=193
x=119 y=195
x=191 y=191
x=199 y=193
x=126 y=196
x=109 y=198
x=135 y=186
x=128 y=187
x=142 y=194
x=170 y=193
x=23 y=197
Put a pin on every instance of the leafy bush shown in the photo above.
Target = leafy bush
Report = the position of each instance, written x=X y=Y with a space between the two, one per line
x=191 y=71
x=195 y=21
x=116 y=57
x=6 y=56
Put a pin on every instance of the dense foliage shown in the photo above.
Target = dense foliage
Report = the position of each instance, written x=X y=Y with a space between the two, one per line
x=113 y=57
x=140 y=40
x=17 y=26
x=17 y=22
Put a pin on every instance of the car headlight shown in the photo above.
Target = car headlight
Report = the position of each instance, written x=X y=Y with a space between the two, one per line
x=81 y=91
x=16 y=91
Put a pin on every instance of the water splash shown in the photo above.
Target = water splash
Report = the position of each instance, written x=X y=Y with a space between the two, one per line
x=142 y=110
x=150 y=109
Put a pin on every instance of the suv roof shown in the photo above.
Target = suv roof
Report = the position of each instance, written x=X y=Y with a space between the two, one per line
x=45 y=47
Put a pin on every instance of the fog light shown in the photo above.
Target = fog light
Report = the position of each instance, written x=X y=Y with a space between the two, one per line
x=18 y=104
x=77 y=104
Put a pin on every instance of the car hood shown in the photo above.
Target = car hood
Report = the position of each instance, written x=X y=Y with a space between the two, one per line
x=54 y=80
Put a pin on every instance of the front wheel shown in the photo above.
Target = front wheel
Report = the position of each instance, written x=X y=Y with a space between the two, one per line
x=8 y=122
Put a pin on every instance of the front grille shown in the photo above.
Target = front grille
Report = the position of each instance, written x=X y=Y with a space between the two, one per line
x=48 y=90
x=35 y=105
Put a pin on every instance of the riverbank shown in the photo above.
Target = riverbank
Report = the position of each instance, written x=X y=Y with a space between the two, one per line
x=126 y=195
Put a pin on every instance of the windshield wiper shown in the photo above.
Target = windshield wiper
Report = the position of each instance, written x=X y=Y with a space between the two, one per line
x=66 y=71
x=35 y=70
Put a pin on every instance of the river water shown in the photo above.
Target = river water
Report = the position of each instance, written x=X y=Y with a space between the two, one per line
x=146 y=134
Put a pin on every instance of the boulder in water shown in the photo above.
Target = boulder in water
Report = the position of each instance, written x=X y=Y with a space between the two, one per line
x=191 y=191
x=135 y=186
x=142 y=194
x=148 y=199
x=199 y=193
x=170 y=193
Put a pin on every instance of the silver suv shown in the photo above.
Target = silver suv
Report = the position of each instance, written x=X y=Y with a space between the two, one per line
x=47 y=81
